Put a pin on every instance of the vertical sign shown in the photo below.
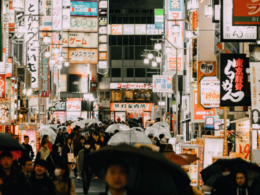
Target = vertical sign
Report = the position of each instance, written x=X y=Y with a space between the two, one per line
x=2 y=86
x=159 y=18
x=57 y=15
x=31 y=56
x=46 y=11
x=66 y=14
x=233 y=80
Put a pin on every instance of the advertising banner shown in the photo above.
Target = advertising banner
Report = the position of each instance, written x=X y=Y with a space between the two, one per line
x=151 y=30
x=59 y=116
x=84 y=8
x=66 y=16
x=131 y=106
x=242 y=141
x=31 y=57
x=255 y=93
x=46 y=11
x=60 y=106
x=102 y=38
x=231 y=33
x=117 y=29
x=159 y=18
x=83 y=24
x=74 y=104
x=128 y=29
x=213 y=122
x=246 y=12
x=2 y=86
x=63 y=83
x=131 y=85
x=102 y=30
x=102 y=56
x=212 y=147
x=254 y=51
x=233 y=79
x=210 y=92
x=140 y=29
x=73 y=116
x=9 y=68
x=162 y=83
x=57 y=15
x=5 y=115
x=81 y=55
x=80 y=40
x=45 y=75
x=216 y=11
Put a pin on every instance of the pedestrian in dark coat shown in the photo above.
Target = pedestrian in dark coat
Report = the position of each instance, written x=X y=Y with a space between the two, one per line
x=12 y=180
x=52 y=160
x=223 y=184
x=241 y=185
x=67 y=149
x=41 y=184
x=28 y=152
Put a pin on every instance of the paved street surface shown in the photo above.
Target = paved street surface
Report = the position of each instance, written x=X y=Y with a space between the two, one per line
x=96 y=186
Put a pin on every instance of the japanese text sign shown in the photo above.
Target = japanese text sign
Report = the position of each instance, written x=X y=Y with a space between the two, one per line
x=83 y=24
x=80 y=40
x=162 y=83
x=57 y=15
x=233 y=80
x=117 y=29
x=84 y=8
x=82 y=55
x=131 y=106
x=151 y=30
x=128 y=29
x=74 y=104
x=131 y=86
x=213 y=122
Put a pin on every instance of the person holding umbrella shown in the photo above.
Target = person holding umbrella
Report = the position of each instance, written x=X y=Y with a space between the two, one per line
x=241 y=187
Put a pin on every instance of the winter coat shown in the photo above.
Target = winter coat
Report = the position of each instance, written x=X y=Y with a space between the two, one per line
x=43 y=153
x=60 y=140
x=221 y=186
x=42 y=186
x=49 y=145
x=62 y=188
x=16 y=183
x=77 y=148
x=27 y=151
x=52 y=160
x=65 y=151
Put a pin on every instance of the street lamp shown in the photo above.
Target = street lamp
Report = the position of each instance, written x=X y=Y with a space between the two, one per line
x=47 y=54
x=60 y=58
x=52 y=62
x=154 y=64
x=150 y=56
x=59 y=66
x=56 y=50
x=66 y=64
x=157 y=46
x=168 y=50
x=158 y=59
x=146 y=61
x=47 y=39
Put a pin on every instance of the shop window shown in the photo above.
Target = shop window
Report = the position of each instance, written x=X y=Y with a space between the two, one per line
x=131 y=40
x=125 y=20
x=113 y=20
x=119 y=40
x=143 y=20
x=140 y=72
x=129 y=72
x=116 y=72
x=116 y=95
x=116 y=53
x=112 y=40
x=129 y=95
x=131 y=20
x=137 y=40
x=137 y=20
x=150 y=20
x=143 y=40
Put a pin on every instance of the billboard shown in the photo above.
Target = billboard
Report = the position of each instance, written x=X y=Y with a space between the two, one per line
x=162 y=83
x=74 y=104
x=131 y=106
x=84 y=8
x=80 y=40
x=117 y=29
x=63 y=83
x=83 y=24
x=151 y=30
x=140 y=29
x=128 y=29
x=2 y=85
x=159 y=18
x=57 y=15
x=81 y=55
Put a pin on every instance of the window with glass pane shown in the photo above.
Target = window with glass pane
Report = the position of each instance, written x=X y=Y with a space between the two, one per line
x=140 y=72
x=116 y=53
x=116 y=72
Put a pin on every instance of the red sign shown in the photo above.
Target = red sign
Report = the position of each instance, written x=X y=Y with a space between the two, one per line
x=131 y=86
x=172 y=63
x=194 y=20
x=246 y=12
x=2 y=86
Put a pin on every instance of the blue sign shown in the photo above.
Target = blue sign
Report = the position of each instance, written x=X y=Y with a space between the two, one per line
x=213 y=122
x=151 y=30
x=129 y=29
x=84 y=8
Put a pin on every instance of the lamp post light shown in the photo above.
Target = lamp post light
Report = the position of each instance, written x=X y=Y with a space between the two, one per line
x=154 y=64
x=150 y=56
x=146 y=61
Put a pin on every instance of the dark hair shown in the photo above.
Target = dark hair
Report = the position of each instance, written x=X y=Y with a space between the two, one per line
x=55 y=148
x=76 y=139
x=24 y=160
x=65 y=167
x=82 y=137
x=150 y=135
x=6 y=154
x=66 y=141
x=40 y=162
x=161 y=136
x=26 y=136
x=44 y=139
x=118 y=162
x=95 y=133
x=44 y=142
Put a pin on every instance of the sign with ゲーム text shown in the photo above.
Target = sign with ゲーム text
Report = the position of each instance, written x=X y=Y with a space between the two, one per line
x=74 y=104
x=81 y=55
x=233 y=80
x=131 y=86
x=246 y=12
x=131 y=106
x=84 y=8
x=80 y=40
x=162 y=83
x=83 y=24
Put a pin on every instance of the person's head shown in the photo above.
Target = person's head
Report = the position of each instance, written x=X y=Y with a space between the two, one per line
x=86 y=125
x=68 y=140
x=76 y=138
x=151 y=136
x=101 y=133
x=82 y=140
x=95 y=135
x=26 y=139
x=45 y=145
x=241 y=178
x=62 y=171
x=27 y=164
x=60 y=131
x=161 y=136
x=117 y=175
x=45 y=138
x=6 y=159
x=40 y=167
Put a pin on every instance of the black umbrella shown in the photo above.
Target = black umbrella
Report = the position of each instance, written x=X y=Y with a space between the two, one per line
x=214 y=171
x=7 y=142
x=150 y=172
x=134 y=122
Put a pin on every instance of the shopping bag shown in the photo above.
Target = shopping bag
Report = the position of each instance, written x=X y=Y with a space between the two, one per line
x=70 y=157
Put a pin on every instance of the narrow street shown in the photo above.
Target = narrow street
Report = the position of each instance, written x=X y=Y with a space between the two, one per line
x=96 y=186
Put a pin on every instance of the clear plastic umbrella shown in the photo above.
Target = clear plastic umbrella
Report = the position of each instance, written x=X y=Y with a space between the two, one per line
x=55 y=126
x=130 y=137
x=138 y=129
x=163 y=124
x=83 y=122
x=112 y=128
x=45 y=130
x=157 y=130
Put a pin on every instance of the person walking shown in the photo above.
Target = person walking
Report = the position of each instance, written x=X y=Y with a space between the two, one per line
x=76 y=144
x=83 y=160
x=163 y=142
x=78 y=147
x=59 y=141
x=28 y=152
x=63 y=184
x=12 y=180
x=45 y=138
x=27 y=166
x=44 y=151
x=67 y=153
x=41 y=184
x=241 y=185
x=52 y=160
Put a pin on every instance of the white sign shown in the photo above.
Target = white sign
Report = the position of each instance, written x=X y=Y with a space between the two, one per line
x=212 y=147
x=32 y=54
x=103 y=47
x=140 y=29
x=103 y=30
x=83 y=24
x=210 y=92
x=102 y=38
x=66 y=16
x=131 y=86
x=128 y=29
x=57 y=15
x=231 y=32
x=102 y=64
x=80 y=40
x=151 y=30
x=103 y=4
x=74 y=105
x=255 y=92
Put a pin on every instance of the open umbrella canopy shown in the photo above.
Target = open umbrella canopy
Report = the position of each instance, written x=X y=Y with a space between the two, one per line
x=120 y=127
x=138 y=129
x=130 y=137
x=182 y=159
x=55 y=126
x=82 y=122
x=96 y=122
x=163 y=124
x=45 y=130
x=7 y=142
x=211 y=173
x=157 y=130
x=150 y=172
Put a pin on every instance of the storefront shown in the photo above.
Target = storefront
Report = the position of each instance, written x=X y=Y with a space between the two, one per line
x=131 y=110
